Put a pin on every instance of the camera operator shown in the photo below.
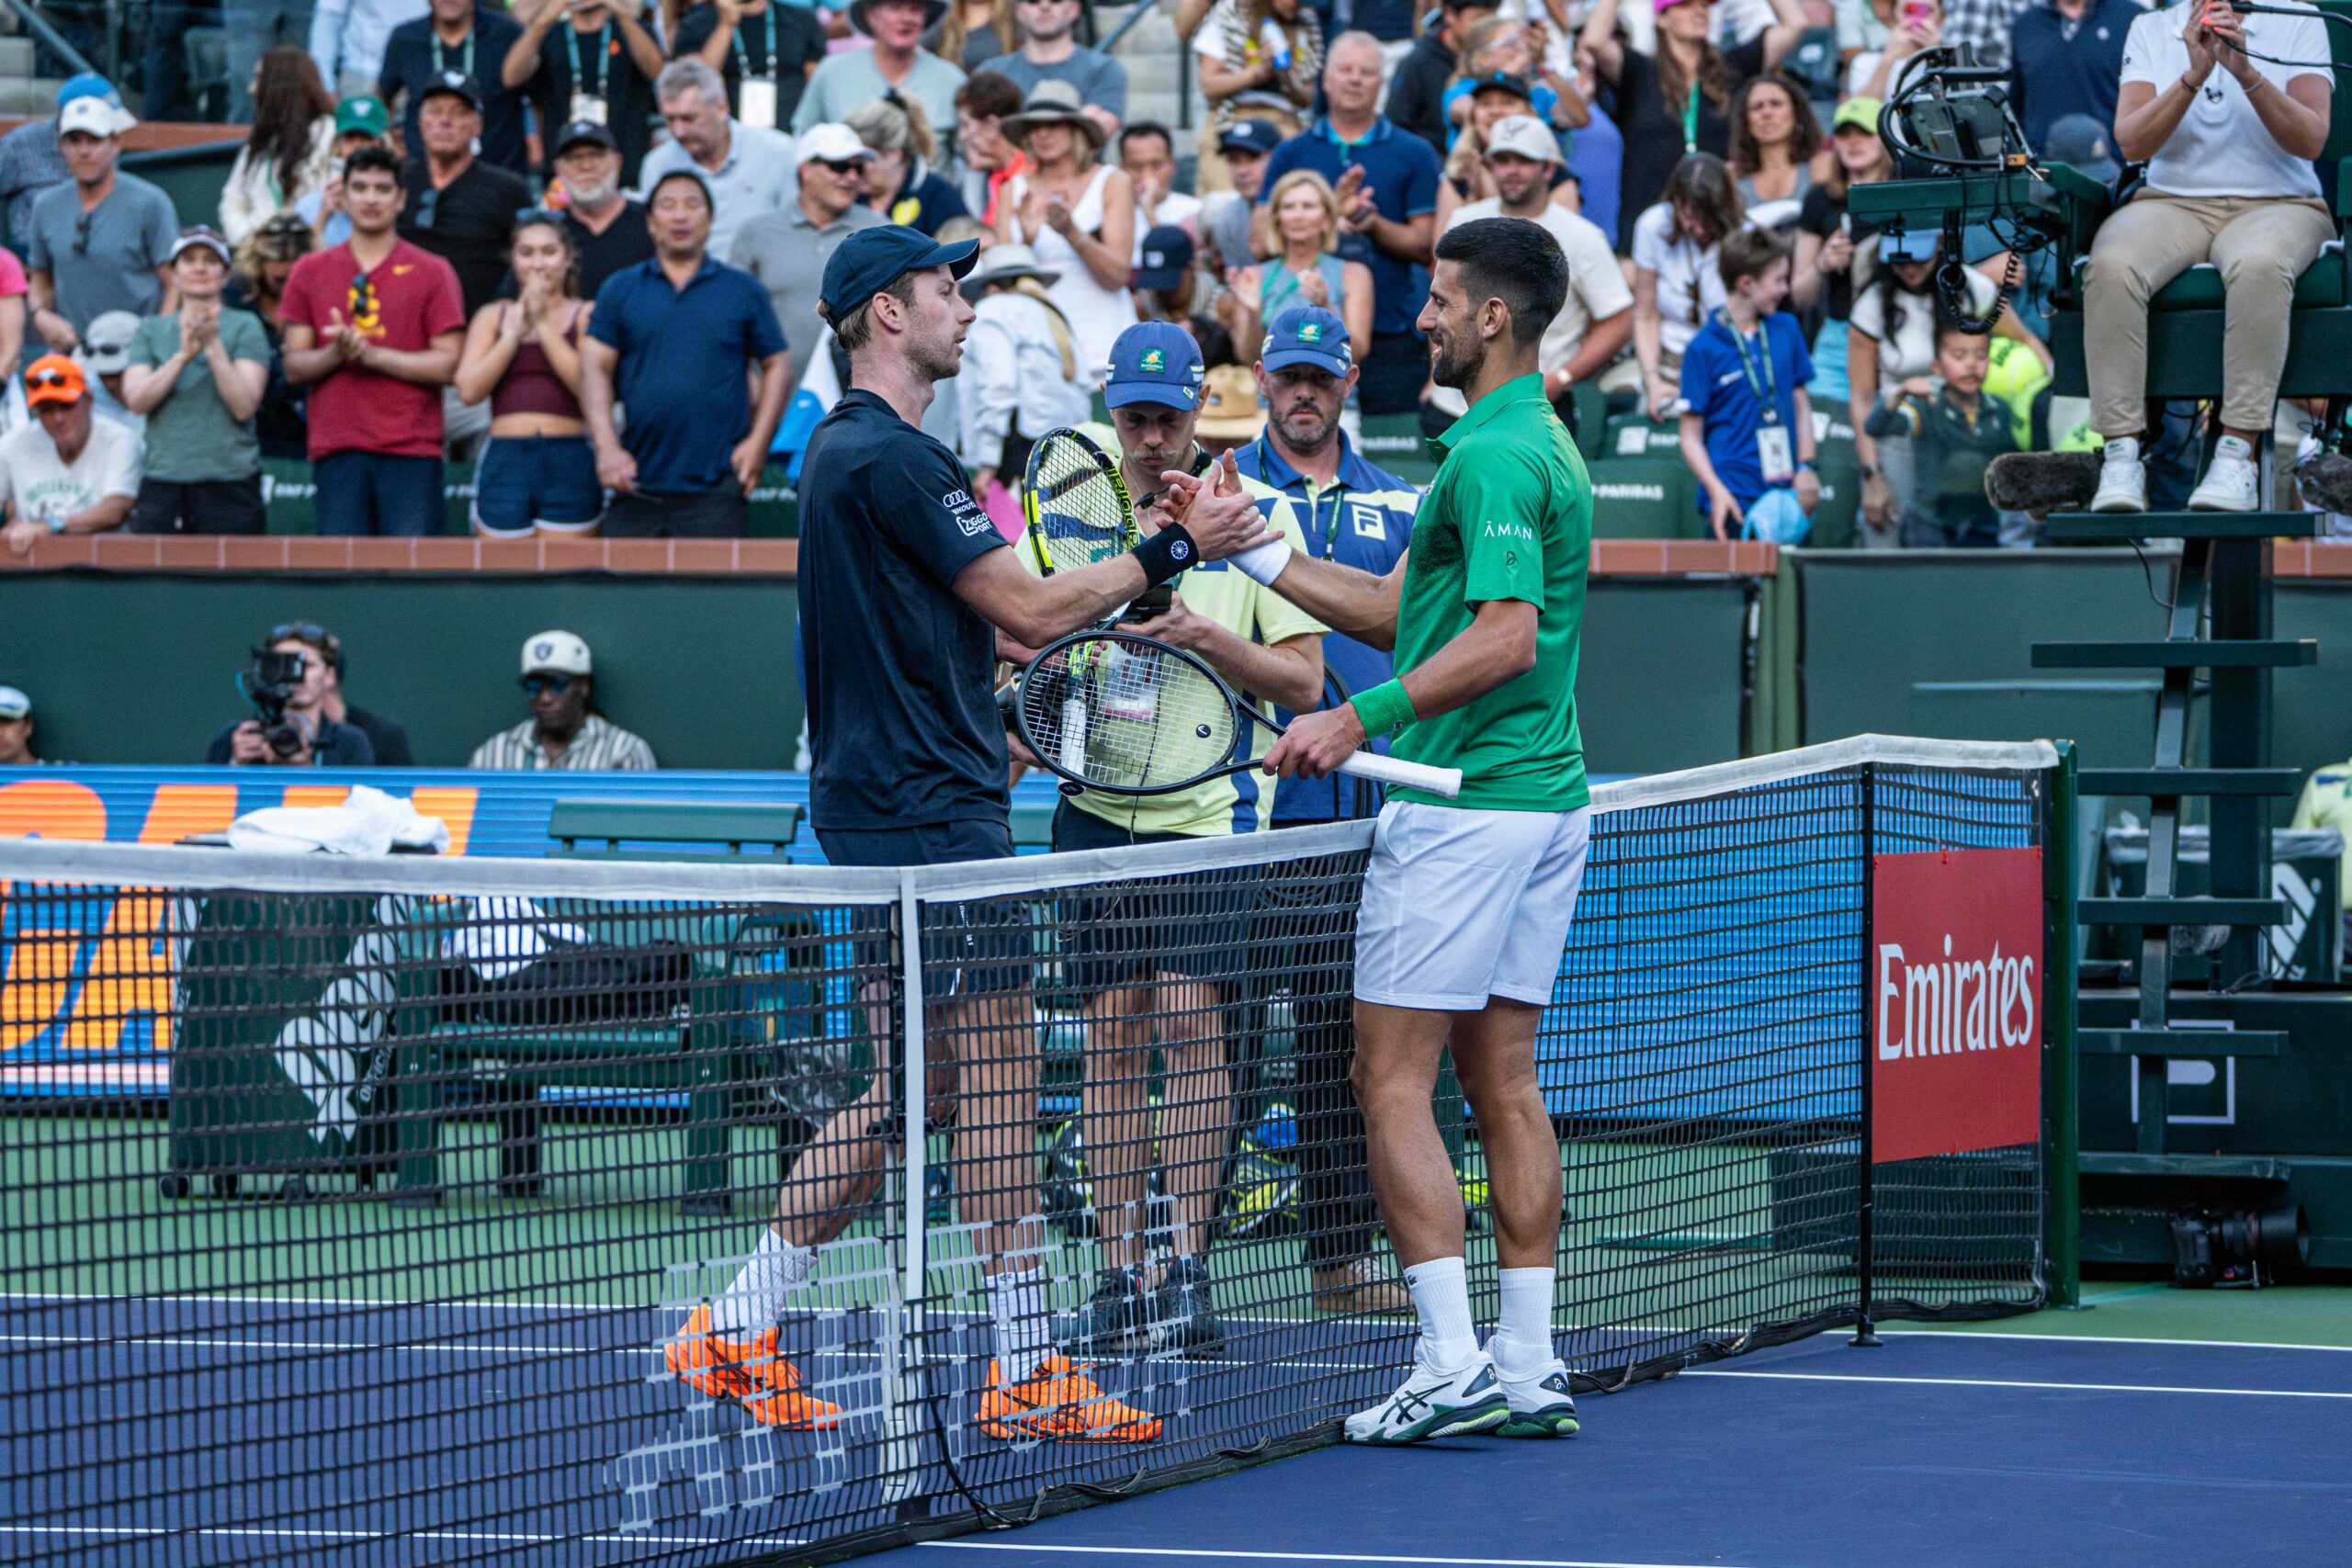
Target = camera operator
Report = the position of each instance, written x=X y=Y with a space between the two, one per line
x=289 y=684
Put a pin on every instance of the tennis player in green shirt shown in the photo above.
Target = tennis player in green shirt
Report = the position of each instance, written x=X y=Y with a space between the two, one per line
x=1467 y=902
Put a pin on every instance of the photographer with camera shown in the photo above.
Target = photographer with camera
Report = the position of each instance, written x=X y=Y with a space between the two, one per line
x=290 y=683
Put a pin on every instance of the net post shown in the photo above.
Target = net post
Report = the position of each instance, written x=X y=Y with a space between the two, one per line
x=1865 y=1329
x=2059 y=989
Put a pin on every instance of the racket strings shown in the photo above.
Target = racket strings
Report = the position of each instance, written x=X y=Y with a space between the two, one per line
x=1077 y=508
x=1124 y=714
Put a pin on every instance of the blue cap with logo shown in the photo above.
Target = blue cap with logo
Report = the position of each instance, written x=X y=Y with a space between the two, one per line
x=872 y=259
x=1155 y=362
x=1308 y=334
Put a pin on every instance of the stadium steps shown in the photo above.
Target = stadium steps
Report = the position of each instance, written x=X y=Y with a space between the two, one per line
x=2174 y=783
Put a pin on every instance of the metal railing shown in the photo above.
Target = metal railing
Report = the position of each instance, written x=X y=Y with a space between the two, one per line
x=48 y=37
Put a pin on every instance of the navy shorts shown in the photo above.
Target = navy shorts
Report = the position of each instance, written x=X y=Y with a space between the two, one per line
x=1193 y=925
x=981 y=946
x=524 y=483
x=363 y=494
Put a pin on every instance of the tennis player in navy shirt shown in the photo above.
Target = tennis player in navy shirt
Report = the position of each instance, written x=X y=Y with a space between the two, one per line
x=905 y=585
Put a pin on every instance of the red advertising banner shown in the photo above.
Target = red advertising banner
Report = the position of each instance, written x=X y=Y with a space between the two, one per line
x=1956 y=972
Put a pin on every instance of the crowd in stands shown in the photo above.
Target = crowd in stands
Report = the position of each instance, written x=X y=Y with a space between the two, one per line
x=576 y=245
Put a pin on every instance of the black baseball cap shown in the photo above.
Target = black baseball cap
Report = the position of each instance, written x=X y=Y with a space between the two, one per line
x=1502 y=80
x=581 y=130
x=453 y=84
x=872 y=259
x=1249 y=136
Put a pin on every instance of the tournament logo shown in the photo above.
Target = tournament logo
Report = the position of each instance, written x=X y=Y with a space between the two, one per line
x=1153 y=362
x=1310 y=331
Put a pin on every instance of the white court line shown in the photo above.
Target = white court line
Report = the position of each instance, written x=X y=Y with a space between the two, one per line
x=2111 y=1339
x=1309 y=1556
x=2016 y=1383
x=146 y=1531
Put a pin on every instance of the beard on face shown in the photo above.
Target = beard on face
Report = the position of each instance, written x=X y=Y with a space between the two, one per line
x=1303 y=426
x=937 y=358
x=587 y=194
x=1455 y=364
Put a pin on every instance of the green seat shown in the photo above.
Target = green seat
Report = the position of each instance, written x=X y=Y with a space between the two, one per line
x=2199 y=288
x=595 y=829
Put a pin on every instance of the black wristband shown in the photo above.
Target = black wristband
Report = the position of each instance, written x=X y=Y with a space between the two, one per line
x=1165 y=553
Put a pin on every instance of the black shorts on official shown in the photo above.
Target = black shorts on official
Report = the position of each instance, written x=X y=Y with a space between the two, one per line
x=959 y=944
x=1193 y=925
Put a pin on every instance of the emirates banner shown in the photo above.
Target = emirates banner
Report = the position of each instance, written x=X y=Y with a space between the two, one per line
x=1956 y=1013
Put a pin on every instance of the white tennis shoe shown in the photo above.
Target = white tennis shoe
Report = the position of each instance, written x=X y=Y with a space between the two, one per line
x=1541 y=1406
x=1435 y=1404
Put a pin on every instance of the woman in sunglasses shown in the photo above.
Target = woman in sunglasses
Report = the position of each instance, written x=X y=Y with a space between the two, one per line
x=538 y=472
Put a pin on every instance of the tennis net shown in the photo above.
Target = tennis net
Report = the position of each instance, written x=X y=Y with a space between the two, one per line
x=404 y=1255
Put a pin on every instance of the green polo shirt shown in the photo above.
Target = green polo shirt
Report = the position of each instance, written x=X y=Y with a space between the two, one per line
x=1508 y=516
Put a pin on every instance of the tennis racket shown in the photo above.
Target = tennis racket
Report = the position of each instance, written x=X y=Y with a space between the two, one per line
x=1130 y=715
x=1075 y=509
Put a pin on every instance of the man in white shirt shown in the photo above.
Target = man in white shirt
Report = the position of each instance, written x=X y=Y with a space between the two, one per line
x=1596 y=322
x=69 y=472
x=2229 y=139
x=347 y=38
x=564 y=729
x=1147 y=153
x=747 y=168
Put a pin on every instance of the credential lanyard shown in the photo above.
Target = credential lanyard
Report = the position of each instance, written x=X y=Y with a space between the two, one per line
x=1337 y=492
x=742 y=59
x=465 y=61
x=1691 y=122
x=604 y=55
x=1759 y=376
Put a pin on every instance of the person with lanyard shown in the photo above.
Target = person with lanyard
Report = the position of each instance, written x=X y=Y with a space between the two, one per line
x=1679 y=102
x=454 y=37
x=1748 y=430
x=1174 y=999
x=1358 y=514
x=1485 y=613
x=589 y=60
x=766 y=50
x=905 y=586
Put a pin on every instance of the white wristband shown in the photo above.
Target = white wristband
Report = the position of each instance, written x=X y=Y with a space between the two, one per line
x=1266 y=562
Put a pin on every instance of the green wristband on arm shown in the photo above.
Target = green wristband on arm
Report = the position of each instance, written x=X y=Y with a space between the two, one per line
x=1385 y=709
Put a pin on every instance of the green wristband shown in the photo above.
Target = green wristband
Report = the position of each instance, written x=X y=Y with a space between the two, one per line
x=1385 y=709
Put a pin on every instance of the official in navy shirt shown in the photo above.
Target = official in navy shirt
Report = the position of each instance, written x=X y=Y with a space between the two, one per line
x=676 y=339
x=1351 y=511
x=1392 y=231
x=457 y=36
x=2066 y=57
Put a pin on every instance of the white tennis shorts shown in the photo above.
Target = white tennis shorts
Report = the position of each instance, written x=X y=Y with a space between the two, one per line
x=1460 y=906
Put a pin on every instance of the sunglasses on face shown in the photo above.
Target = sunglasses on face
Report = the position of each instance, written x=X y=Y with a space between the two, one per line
x=559 y=685
x=852 y=166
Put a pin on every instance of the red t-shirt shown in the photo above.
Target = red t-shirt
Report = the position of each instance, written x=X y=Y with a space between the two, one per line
x=403 y=304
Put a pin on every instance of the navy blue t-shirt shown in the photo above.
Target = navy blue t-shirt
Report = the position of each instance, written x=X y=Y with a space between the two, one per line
x=415 y=58
x=902 y=716
x=1401 y=171
x=682 y=375
x=1718 y=391
x=2059 y=66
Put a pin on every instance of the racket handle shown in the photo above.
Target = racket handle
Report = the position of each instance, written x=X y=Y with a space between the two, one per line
x=1372 y=765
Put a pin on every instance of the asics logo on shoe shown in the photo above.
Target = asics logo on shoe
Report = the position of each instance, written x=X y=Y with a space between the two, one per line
x=1406 y=1405
x=1557 y=1383
x=1483 y=1381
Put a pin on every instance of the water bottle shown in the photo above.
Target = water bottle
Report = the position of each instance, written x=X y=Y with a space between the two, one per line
x=1275 y=43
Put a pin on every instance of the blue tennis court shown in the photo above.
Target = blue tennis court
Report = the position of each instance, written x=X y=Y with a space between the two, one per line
x=1963 y=1448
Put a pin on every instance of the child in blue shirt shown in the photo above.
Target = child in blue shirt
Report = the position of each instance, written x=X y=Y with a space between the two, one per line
x=1747 y=422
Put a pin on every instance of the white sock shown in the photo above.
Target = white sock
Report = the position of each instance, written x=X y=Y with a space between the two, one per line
x=2122 y=449
x=2233 y=446
x=1025 y=1332
x=1523 y=1343
x=1442 y=1300
x=755 y=1299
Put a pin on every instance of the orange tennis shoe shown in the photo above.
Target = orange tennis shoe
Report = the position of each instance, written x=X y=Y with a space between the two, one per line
x=1059 y=1400
x=752 y=1372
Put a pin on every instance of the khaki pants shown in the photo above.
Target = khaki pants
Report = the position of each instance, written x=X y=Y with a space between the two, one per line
x=2261 y=245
